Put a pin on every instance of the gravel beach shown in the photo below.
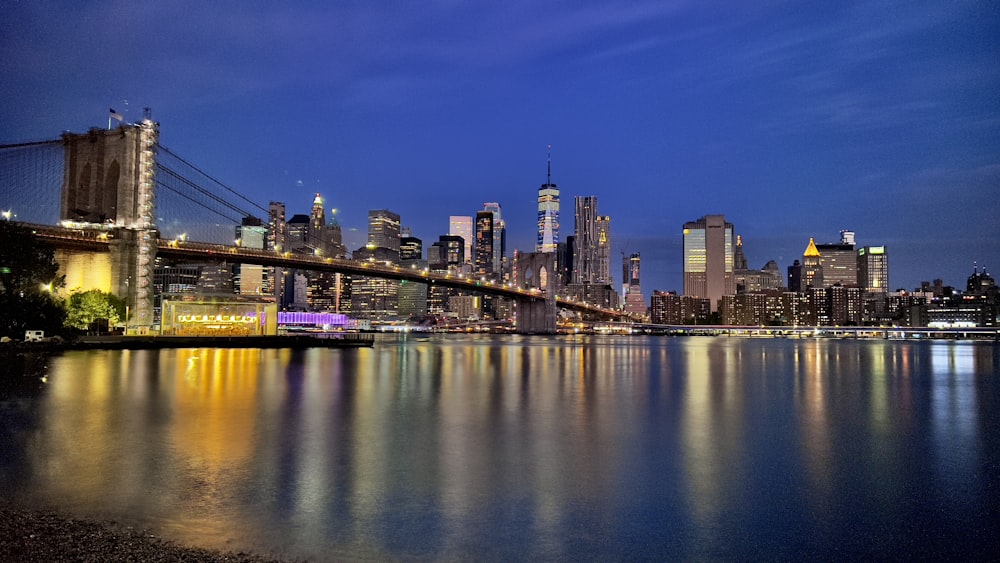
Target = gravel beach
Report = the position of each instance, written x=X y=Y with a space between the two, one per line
x=27 y=535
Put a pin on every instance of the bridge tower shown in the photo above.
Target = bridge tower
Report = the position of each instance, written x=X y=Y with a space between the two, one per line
x=536 y=270
x=109 y=184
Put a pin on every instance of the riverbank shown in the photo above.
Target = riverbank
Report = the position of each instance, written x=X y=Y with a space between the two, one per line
x=329 y=340
x=29 y=536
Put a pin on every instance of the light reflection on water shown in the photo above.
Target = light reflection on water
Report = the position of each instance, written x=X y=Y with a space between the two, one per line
x=511 y=447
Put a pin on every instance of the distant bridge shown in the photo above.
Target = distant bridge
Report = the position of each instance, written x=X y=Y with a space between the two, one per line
x=120 y=192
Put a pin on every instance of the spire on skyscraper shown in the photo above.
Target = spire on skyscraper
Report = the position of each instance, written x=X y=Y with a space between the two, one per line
x=548 y=176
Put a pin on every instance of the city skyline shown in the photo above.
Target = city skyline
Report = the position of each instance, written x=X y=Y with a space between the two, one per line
x=793 y=122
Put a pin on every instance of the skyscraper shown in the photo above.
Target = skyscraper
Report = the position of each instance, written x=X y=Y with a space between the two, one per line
x=548 y=213
x=812 y=267
x=592 y=243
x=499 y=239
x=277 y=232
x=461 y=226
x=635 y=303
x=708 y=259
x=840 y=261
x=873 y=269
x=483 y=246
x=383 y=229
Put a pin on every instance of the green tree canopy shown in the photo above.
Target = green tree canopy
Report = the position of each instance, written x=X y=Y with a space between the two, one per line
x=86 y=307
x=28 y=276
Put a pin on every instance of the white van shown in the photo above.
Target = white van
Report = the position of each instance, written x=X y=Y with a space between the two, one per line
x=34 y=335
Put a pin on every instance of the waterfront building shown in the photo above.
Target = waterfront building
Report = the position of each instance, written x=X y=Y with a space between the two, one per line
x=873 y=279
x=466 y=307
x=708 y=259
x=635 y=303
x=844 y=305
x=277 y=233
x=462 y=226
x=412 y=295
x=548 y=213
x=248 y=279
x=665 y=308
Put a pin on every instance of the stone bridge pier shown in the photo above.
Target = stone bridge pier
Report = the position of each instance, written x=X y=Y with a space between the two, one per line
x=537 y=270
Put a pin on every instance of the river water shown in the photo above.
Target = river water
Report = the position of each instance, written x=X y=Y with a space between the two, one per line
x=507 y=447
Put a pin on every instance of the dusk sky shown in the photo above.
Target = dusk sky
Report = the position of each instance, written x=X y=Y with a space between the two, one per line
x=793 y=119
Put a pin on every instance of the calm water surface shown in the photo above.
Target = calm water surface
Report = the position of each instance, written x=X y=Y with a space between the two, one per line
x=525 y=448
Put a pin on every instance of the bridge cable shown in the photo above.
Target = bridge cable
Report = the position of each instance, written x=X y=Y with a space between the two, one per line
x=210 y=177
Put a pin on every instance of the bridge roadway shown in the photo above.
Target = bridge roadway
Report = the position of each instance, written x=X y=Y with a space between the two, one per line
x=100 y=241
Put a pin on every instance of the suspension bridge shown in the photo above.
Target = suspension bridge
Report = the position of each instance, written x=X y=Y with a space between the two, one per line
x=122 y=194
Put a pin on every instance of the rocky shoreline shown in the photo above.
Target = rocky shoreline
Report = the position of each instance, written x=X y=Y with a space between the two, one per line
x=29 y=536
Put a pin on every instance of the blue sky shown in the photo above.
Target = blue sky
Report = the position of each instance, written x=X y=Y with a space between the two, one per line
x=793 y=119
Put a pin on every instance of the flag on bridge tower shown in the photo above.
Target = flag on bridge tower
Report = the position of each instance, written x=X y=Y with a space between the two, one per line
x=115 y=115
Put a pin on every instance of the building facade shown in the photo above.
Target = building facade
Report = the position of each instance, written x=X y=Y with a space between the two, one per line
x=709 y=259
x=548 y=213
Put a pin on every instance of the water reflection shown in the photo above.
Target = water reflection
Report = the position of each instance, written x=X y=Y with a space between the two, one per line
x=552 y=448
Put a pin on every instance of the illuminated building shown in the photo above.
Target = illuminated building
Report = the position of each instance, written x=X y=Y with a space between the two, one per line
x=383 y=229
x=411 y=248
x=873 y=269
x=840 y=262
x=548 y=213
x=461 y=226
x=812 y=267
x=844 y=305
x=412 y=295
x=248 y=279
x=199 y=316
x=873 y=278
x=376 y=298
x=451 y=253
x=276 y=240
x=635 y=304
x=483 y=247
x=592 y=243
x=499 y=240
x=665 y=308
x=708 y=259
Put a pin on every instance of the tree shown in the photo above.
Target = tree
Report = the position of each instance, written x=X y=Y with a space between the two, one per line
x=28 y=276
x=86 y=308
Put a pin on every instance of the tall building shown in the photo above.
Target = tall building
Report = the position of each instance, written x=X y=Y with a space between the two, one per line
x=483 y=249
x=839 y=261
x=635 y=303
x=248 y=279
x=277 y=234
x=499 y=239
x=383 y=229
x=812 y=267
x=592 y=243
x=412 y=298
x=462 y=226
x=873 y=269
x=317 y=226
x=708 y=259
x=548 y=213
